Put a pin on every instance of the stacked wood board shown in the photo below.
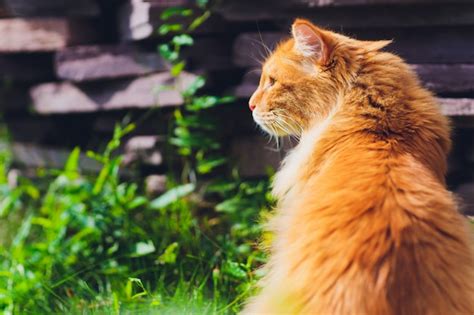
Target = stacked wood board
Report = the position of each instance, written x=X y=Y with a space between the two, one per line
x=71 y=68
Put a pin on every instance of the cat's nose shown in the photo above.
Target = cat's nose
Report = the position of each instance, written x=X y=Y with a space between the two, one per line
x=252 y=106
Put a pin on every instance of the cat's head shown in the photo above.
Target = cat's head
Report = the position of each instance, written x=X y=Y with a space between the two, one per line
x=302 y=78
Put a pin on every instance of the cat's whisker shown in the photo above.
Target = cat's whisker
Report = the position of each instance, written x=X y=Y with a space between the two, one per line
x=253 y=70
x=262 y=54
x=292 y=128
x=273 y=134
x=268 y=50
x=288 y=129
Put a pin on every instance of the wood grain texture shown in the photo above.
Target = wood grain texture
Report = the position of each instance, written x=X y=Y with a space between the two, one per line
x=356 y=15
x=421 y=45
x=457 y=106
x=43 y=34
x=88 y=63
x=33 y=156
x=143 y=92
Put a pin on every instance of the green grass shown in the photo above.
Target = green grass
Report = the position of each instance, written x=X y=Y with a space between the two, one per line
x=95 y=244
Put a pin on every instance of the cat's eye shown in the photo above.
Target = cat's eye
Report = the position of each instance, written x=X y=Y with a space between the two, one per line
x=271 y=81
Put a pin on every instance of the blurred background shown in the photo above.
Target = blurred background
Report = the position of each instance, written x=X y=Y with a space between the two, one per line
x=120 y=117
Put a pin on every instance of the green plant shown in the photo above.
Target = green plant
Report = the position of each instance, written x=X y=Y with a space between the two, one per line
x=196 y=136
x=95 y=243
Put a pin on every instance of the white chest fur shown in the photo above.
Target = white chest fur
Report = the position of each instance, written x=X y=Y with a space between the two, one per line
x=290 y=171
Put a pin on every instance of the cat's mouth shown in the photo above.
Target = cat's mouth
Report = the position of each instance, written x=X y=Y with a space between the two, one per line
x=276 y=124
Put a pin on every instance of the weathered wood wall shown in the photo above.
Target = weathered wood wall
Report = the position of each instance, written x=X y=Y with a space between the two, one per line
x=71 y=68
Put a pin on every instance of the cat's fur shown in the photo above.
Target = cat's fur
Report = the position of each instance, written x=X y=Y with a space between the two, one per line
x=364 y=222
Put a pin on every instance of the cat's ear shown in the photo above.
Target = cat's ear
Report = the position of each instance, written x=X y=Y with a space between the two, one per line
x=370 y=45
x=310 y=41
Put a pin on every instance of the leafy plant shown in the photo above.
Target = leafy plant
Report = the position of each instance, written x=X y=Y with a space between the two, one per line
x=87 y=243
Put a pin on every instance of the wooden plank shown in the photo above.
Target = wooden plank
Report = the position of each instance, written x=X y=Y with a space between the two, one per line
x=324 y=3
x=32 y=156
x=155 y=184
x=457 y=106
x=144 y=150
x=143 y=143
x=26 y=67
x=420 y=45
x=52 y=8
x=43 y=34
x=446 y=78
x=465 y=192
x=440 y=78
x=354 y=16
x=87 y=63
x=428 y=44
x=134 y=20
x=144 y=92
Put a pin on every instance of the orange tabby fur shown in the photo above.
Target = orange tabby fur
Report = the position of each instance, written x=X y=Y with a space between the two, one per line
x=364 y=223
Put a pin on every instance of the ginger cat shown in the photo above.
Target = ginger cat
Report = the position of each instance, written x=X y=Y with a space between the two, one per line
x=364 y=223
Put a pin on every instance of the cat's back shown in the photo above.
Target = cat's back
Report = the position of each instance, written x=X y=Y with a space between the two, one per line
x=373 y=231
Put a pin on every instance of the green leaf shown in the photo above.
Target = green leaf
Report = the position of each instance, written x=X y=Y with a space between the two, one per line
x=95 y=156
x=143 y=248
x=175 y=11
x=176 y=69
x=168 y=28
x=23 y=231
x=44 y=222
x=129 y=288
x=172 y=196
x=195 y=140
x=167 y=53
x=234 y=269
x=206 y=166
x=204 y=102
x=221 y=187
x=194 y=120
x=181 y=132
x=182 y=40
x=72 y=163
x=199 y=21
x=233 y=205
x=8 y=202
x=137 y=202
x=169 y=255
x=30 y=190
x=193 y=87
x=100 y=181
x=112 y=249
x=128 y=128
